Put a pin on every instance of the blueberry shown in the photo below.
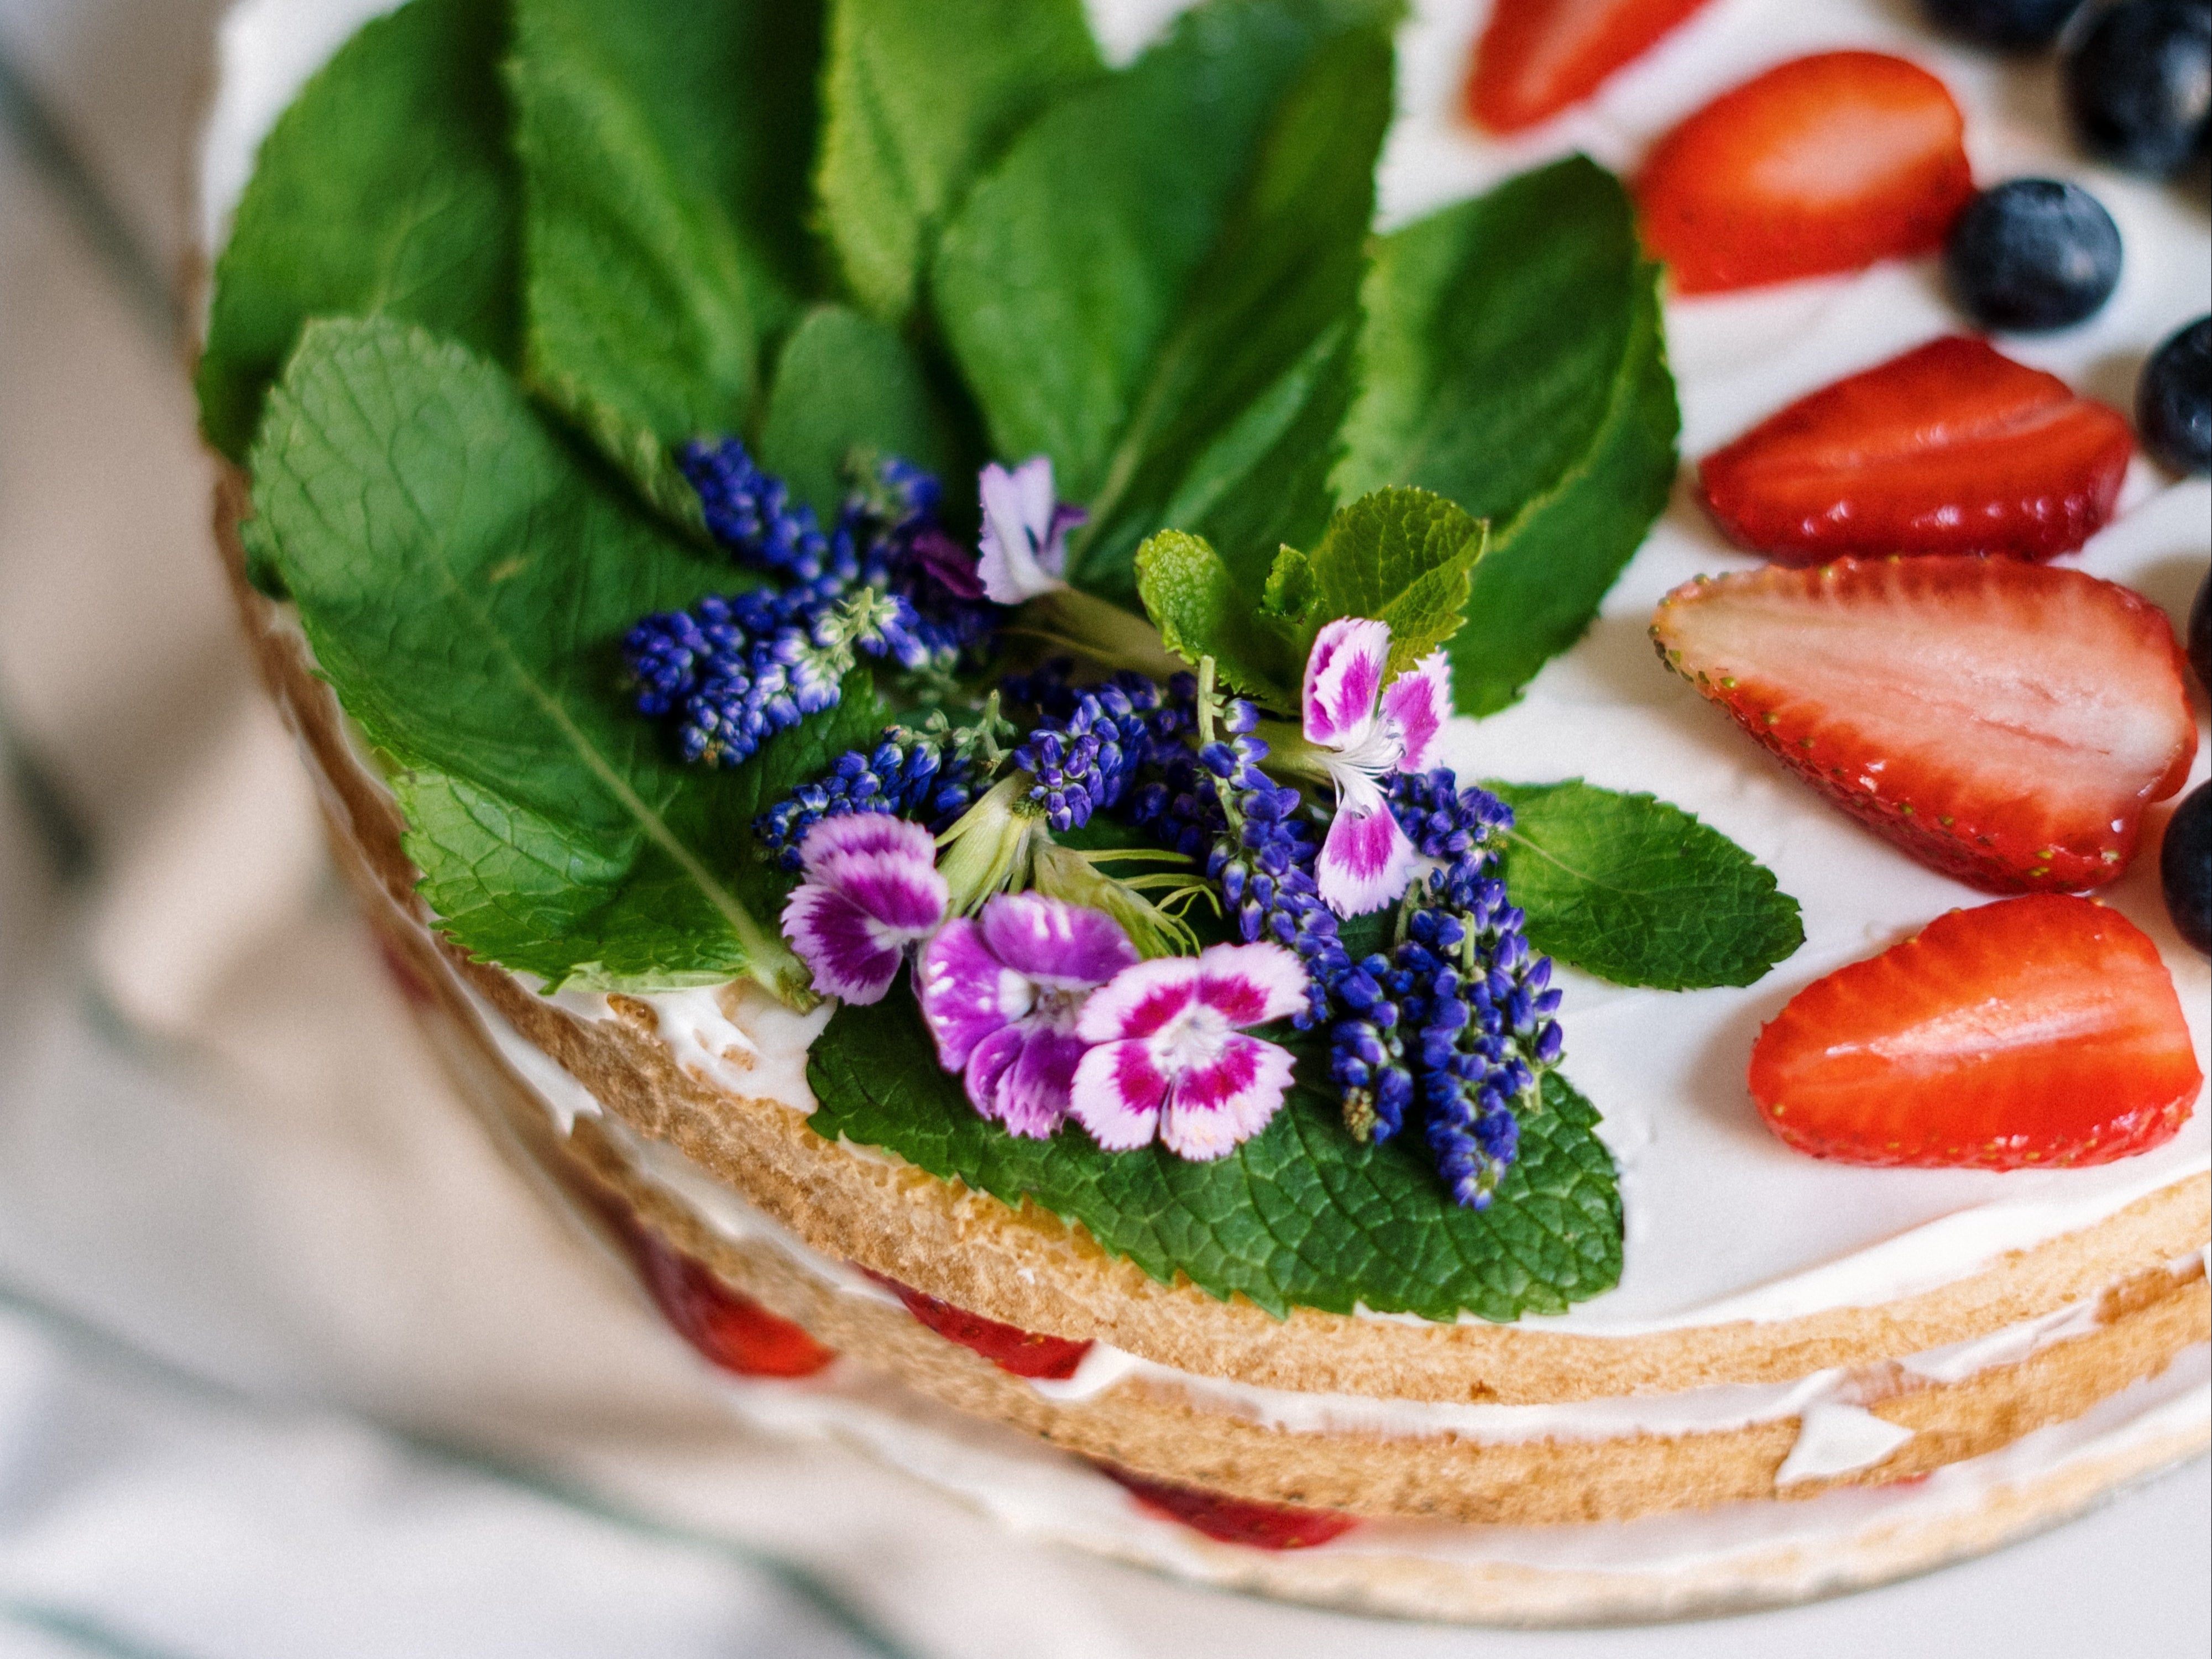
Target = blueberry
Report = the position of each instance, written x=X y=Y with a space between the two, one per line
x=2138 y=82
x=2033 y=254
x=2174 y=401
x=2200 y=631
x=2184 y=868
x=2006 y=25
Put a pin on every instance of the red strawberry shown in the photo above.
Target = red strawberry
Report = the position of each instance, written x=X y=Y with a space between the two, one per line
x=729 y=1327
x=1825 y=164
x=1010 y=1348
x=1950 y=448
x=1537 y=57
x=2006 y=723
x=1236 y=1520
x=2031 y=1032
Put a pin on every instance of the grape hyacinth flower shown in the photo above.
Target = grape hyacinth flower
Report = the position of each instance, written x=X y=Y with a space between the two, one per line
x=872 y=889
x=1002 y=993
x=1172 y=1060
x=1025 y=545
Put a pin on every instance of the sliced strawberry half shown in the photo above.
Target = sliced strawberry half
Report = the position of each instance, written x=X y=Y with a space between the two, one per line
x=1537 y=57
x=1951 y=448
x=1824 y=164
x=726 y=1326
x=2006 y=723
x=1010 y=1348
x=2033 y=1032
x=1234 y=1520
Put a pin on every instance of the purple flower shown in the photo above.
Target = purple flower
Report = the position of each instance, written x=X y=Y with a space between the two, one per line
x=1025 y=548
x=1363 y=732
x=1001 y=994
x=1169 y=1059
x=872 y=889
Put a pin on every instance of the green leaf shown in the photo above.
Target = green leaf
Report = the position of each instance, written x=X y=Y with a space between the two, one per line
x=1639 y=892
x=1403 y=556
x=1301 y=1215
x=1162 y=258
x=386 y=188
x=1201 y=611
x=466 y=581
x=845 y=382
x=918 y=97
x=665 y=153
x=1512 y=359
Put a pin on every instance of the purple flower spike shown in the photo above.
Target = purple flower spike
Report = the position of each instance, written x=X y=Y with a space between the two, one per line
x=1170 y=1061
x=1025 y=548
x=1002 y=993
x=872 y=889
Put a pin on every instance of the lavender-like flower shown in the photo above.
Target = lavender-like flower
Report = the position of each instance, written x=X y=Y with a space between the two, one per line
x=872 y=890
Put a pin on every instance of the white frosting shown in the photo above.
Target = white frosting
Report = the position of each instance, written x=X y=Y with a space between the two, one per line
x=1836 y=1438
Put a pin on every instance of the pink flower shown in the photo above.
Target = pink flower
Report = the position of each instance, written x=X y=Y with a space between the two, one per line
x=1024 y=547
x=1363 y=732
x=872 y=889
x=1001 y=994
x=1170 y=1060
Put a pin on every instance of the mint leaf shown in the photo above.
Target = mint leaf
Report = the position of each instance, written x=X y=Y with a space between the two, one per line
x=1301 y=1215
x=386 y=188
x=1196 y=605
x=1158 y=255
x=918 y=96
x=1512 y=359
x=665 y=152
x=466 y=581
x=845 y=382
x=1639 y=892
x=1403 y=556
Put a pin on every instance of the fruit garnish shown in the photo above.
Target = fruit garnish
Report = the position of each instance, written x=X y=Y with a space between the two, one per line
x=1824 y=164
x=2138 y=83
x=2174 y=402
x=2033 y=254
x=2031 y=1033
x=2005 y=723
x=1010 y=1348
x=1537 y=57
x=2005 y=25
x=726 y=1325
x=2184 y=868
x=2200 y=631
x=1950 y=448
x=1234 y=1520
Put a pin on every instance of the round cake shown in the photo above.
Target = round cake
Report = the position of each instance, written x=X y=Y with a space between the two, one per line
x=1650 y=1360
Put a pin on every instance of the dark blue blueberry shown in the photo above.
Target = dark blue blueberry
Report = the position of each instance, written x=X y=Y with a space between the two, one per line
x=2005 y=25
x=2174 y=401
x=2033 y=254
x=2138 y=83
x=2200 y=632
x=2184 y=865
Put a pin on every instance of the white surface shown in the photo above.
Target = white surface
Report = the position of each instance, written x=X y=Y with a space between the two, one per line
x=228 y=1178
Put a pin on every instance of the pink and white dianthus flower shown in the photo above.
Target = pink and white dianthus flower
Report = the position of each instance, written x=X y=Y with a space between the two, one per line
x=1002 y=994
x=1362 y=732
x=871 y=890
x=1025 y=545
x=1172 y=1060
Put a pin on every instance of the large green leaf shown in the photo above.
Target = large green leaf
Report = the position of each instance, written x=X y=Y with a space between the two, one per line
x=918 y=97
x=1159 y=255
x=665 y=150
x=1512 y=359
x=845 y=382
x=386 y=188
x=1301 y=1215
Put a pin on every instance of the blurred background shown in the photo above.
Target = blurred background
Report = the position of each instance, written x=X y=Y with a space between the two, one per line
x=290 y=1363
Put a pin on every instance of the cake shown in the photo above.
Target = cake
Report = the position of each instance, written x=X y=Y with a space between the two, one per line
x=1781 y=1375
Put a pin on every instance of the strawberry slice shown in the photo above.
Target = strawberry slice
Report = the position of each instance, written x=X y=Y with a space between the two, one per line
x=1537 y=57
x=1950 y=448
x=1234 y=1520
x=1010 y=1348
x=726 y=1326
x=2006 y=723
x=2033 y=1032
x=1824 y=164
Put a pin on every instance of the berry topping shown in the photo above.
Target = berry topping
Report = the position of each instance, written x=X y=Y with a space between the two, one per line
x=2033 y=1032
x=2005 y=723
x=1950 y=448
x=1234 y=1520
x=2033 y=254
x=1537 y=57
x=1012 y=1349
x=2005 y=25
x=1825 y=164
x=2174 y=401
x=729 y=1327
x=2184 y=868
x=2138 y=83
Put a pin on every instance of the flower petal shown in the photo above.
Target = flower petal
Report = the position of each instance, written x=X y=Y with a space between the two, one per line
x=1252 y=984
x=1212 y=1108
x=1344 y=672
x=864 y=833
x=966 y=993
x=1418 y=703
x=986 y=1076
x=846 y=948
x=1067 y=946
x=1018 y=523
x=910 y=899
x=1139 y=1000
x=1366 y=860
x=1117 y=1095
x=1034 y=1094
